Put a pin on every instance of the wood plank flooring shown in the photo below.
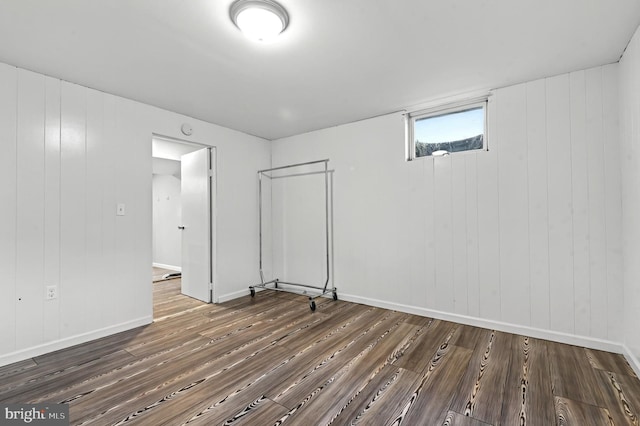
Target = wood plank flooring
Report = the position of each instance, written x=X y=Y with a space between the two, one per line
x=271 y=361
x=159 y=273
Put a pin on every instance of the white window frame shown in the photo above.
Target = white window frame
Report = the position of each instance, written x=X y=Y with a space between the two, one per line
x=412 y=117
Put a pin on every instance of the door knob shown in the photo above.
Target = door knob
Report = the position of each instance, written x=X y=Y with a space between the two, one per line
x=180 y=227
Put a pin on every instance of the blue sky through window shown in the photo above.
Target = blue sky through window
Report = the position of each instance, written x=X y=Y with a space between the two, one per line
x=450 y=127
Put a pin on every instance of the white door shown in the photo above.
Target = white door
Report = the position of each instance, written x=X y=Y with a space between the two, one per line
x=196 y=224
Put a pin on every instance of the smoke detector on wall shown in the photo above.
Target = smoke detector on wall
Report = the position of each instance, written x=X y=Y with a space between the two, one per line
x=187 y=130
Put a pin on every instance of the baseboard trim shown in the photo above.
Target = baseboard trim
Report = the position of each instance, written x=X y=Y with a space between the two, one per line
x=67 y=342
x=633 y=361
x=230 y=296
x=538 y=333
x=165 y=266
x=554 y=336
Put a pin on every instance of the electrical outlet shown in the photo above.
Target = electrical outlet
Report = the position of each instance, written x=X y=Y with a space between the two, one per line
x=52 y=292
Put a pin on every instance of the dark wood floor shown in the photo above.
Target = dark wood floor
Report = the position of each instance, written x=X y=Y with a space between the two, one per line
x=270 y=360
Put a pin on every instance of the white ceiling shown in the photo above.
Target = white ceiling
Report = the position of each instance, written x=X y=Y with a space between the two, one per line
x=339 y=61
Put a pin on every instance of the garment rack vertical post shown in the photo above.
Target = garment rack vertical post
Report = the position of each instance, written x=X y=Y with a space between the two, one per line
x=273 y=284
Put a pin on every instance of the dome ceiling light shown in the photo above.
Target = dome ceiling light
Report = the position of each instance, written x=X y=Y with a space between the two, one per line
x=260 y=20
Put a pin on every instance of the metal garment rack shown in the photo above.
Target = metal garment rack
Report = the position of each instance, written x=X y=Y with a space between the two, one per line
x=273 y=284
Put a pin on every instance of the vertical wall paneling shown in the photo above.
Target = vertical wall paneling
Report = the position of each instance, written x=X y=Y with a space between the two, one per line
x=613 y=200
x=304 y=231
x=110 y=150
x=8 y=301
x=73 y=193
x=513 y=210
x=267 y=228
x=237 y=166
x=489 y=221
x=429 y=254
x=95 y=180
x=596 y=182
x=547 y=193
x=405 y=237
x=415 y=226
x=629 y=91
x=51 y=323
x=552 y=176
x=443 y=233
x=127 y=141
x=123 y=248
x=507 y=232
x=536 y=133
x=273 y=209
x=580 y=201
x=459 y=233
x=630 y=110
x=473 y=254
x=560 y=206
x=69 y=155
x=30 y=209
x=632 y=181
x=629 y=209
x=141 y=165
x=389 y=234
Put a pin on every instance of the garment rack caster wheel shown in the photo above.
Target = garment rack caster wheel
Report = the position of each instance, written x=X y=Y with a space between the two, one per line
x=253 y=291
x=335 y=295
x=312 y=305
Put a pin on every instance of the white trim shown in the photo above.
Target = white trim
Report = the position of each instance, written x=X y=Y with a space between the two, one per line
x=236 y=294
x=165 y=266
x=554 y=336
x=633 y=361
x=67 y=342
x=450 y=108
x=450 y=101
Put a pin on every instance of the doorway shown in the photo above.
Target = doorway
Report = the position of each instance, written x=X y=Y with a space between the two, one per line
x=183 y=232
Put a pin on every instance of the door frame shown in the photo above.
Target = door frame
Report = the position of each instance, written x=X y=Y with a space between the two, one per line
x=213 y=159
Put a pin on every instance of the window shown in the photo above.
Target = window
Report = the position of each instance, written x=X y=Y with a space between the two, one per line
x=445 y=131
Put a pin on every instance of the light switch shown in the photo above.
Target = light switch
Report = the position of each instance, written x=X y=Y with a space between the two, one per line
x=120 y=210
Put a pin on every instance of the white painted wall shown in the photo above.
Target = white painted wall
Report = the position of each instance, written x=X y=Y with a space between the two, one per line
x=167 y=238
x=526 y=235
x=630 y=150
x=298 y=234
x=69 y=155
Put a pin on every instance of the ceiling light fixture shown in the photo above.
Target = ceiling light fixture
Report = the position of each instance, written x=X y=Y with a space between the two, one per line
x=260 y=20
